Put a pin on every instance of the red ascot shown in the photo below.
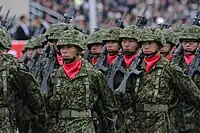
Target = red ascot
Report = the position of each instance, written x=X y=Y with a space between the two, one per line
x=94 y=60
x=111 y=58
x=151 y=61
x=169 y=57
x=73 y=68
x=188 y=58
x=129 y=59
x=59 y=59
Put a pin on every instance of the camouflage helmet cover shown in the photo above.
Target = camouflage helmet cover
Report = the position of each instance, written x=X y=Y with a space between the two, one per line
x=72 y=37
x=130 y=32
x=190 y=32
x=96 y=37
x=112 y=34
x=151 y=34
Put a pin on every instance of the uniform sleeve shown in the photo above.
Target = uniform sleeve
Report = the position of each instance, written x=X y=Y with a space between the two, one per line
x=185 y=87
x=107 y=103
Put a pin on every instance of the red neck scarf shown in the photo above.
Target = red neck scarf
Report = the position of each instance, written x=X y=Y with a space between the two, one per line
x=169 y=57
x=59 y=59
x=151 y=61
x=73 y=68
x=188 y=58
x=111 y=58
x=94 y=60
x=129 y=59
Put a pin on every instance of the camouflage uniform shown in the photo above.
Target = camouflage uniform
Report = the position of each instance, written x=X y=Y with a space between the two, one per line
x=129 y=32
x=74 y=104
x=188 y=117
x=151 y=99
x=111 y=34
x=19 y=89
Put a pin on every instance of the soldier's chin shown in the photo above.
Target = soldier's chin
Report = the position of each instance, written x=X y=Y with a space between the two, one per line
x=68 y=60
x=112 y=52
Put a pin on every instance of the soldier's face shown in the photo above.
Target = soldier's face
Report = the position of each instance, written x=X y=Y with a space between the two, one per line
x=149 y=47
x=96 y=49
x=112 y=47
x=40 y=50
x=165 y=49
x=30 y=53
x=189 y=46
x=68 y=52
x=129 y=45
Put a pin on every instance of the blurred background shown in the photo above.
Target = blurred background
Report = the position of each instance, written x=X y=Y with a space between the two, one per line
x=33 y=17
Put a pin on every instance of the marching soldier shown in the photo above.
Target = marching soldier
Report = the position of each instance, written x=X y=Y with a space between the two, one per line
x=188 y=116
x=95 y=45
x=155 y=91
x=77 y=93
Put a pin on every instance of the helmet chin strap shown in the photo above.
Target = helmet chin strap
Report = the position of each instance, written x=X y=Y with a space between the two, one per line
x=67 y=61
x=165 y=53
x=113 y=52
x=151 y=54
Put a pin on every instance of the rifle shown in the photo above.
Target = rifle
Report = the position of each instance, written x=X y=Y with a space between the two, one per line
x=195 y=65
x=119 y=22
x=167 y=24
x=33 y=61
x=3 y=22
x=68 y=16
x=142 y=21
x=134 y=71
x=117 y=68
x=177 y=54
x=197 y=19
x=50 y=64
x=24 y=58
x=100 y=62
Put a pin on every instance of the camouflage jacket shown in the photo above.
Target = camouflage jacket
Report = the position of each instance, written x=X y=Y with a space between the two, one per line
x=187 y=116
x=18 y=87
x=154 y=96
x=86 y=92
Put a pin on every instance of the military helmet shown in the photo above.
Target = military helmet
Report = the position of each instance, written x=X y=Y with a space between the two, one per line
x=71 y=37
x=39 y=42
x=151 y=34
x=171 y=37
x=5 y=39
x=31 y=43
x=95 y=38
x=130 y=32
x=112 y=34
x=55 y=30
x=191 y=32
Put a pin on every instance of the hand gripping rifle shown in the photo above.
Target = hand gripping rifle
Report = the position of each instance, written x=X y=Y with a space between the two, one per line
x=134 y=71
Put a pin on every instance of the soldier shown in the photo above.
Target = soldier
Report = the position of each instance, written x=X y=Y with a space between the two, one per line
x=28 y=51
x=157 y=88
x=111 y=50
x=128 y=37
x=188 y=117
x=171 y=41
x=95 y=45
x=77 y=93
x=18 y=88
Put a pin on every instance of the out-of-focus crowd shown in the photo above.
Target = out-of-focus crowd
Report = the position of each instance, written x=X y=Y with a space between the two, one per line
x=109 y=10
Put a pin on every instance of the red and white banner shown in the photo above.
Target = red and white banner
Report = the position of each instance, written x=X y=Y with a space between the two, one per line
x=17 y=47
